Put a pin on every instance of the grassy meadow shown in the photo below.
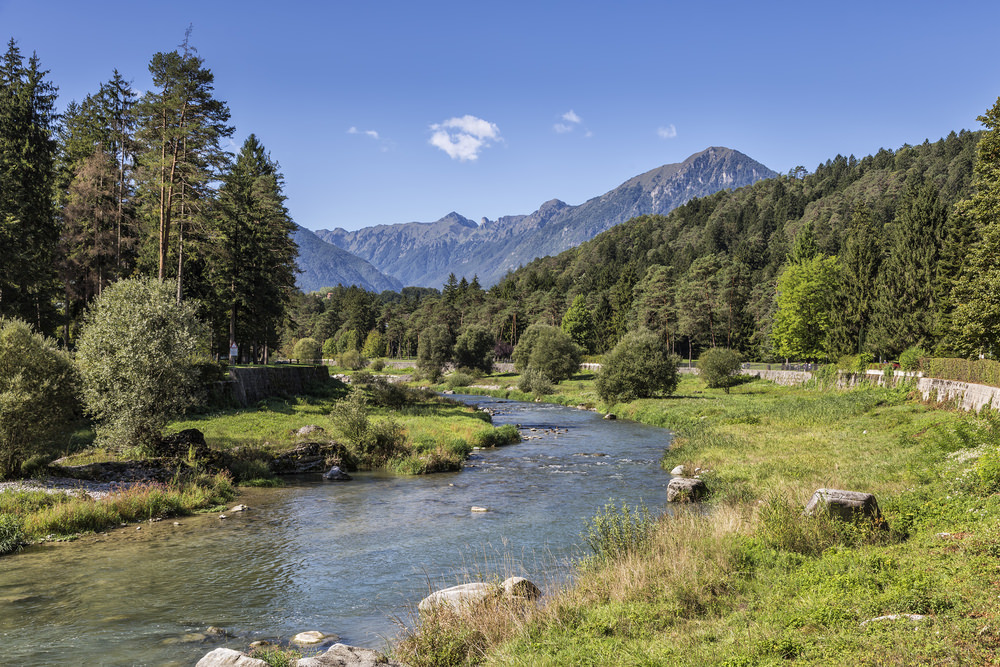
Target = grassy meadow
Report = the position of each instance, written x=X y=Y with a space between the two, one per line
x=748 y=579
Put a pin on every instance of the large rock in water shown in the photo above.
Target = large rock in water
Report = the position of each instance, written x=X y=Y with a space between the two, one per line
x=847 y=505
x=342 y=655
x=686 y=489
x=227 y=657
x=335 y=474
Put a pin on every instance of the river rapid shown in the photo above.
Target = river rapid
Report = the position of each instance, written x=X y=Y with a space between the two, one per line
x=344 y=558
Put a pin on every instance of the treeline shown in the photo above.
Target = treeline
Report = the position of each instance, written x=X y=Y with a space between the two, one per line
x=869 y=255
x=121 y=185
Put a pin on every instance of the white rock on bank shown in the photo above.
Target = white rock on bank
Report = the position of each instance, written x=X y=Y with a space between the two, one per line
x=227 y=657
x=309 y=637
x=342 y=655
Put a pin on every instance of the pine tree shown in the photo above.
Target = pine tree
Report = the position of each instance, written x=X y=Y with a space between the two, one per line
x=29 y=232
x=860 y=264
x=181 y=126
x=976 y=318
x=255 y=264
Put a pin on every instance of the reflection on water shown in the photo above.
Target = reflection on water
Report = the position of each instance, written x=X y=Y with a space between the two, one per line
x=344 y=558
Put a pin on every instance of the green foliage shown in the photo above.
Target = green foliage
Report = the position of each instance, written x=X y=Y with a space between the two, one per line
x=434 y=350
x=11 y=533
x=533 y=381
x=578 y=323
x=909 y=359
x=374 y=345
x=977 y=371
x=805 y=299
x=863 y=361
x=37 y=393
x=639 y=366
x=474 y=349
x=615 y=532
x=549 y=350
x=276 y=656
x=138 y=354
x=458 y=379
x=503 y=435
x=377 y=365
x=373 y=443
x=307 y=350
x=718 y=367
x=351 y=359
x=329 y=348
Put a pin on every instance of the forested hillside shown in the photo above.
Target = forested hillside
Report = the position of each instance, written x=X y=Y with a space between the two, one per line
x=886 y=228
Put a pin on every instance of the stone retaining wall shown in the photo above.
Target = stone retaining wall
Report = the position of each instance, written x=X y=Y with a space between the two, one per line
x=248 y=385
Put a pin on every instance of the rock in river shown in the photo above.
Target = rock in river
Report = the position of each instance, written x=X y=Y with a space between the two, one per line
x=335 y=474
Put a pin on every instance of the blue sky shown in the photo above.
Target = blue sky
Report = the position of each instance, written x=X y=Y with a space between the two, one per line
x=384 y=112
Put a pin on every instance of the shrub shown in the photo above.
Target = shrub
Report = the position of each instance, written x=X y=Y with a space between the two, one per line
x=474 y=349
x=373 y=444
x=978 y=371
x=11 y=533
x=374 y=345
x=639 y=366
x=909 y=359
x=377 y=365
x=307 y=350
x=718 y=366
x=534 y=382
x=549 y=350
x=864 y=360
x=351 y=360
x=458 y=379
x=37 y=383
x=615 y=532
x=138 y=354
x=504 y=435
x=329 y=348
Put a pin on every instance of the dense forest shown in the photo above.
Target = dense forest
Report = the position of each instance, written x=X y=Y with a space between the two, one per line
x=119 y=185
x=857 y=256
x=876 y=255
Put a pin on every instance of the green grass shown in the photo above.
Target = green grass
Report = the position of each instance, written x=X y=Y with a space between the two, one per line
x=753 y=581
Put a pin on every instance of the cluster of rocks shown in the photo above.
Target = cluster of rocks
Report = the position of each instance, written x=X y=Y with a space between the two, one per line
x=338 y=655
x=686 y=485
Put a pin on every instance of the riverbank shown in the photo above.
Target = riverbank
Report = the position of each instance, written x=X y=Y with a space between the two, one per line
x=754 y=581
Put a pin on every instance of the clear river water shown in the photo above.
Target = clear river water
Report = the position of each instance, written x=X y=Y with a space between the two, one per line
x=344 y=558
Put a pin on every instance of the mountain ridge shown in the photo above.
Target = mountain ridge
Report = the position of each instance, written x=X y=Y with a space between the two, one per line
x=425 y=253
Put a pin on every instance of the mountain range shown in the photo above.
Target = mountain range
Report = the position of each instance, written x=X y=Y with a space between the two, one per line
x=425 y=253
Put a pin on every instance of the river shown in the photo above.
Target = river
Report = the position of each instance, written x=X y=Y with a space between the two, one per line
x=344 y=558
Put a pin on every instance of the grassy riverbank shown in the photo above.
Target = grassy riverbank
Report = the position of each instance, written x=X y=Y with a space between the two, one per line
x=753 y=581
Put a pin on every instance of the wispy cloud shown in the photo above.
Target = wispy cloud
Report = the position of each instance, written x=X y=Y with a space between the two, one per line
x=570 y=121
x=667 y=132
x=464 y=138
x=371 y=133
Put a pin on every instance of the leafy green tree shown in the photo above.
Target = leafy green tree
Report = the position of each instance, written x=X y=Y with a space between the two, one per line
x=718 y=367
x=578 y=324
x=805 y=296
x=139 y=354
x=639 y=366
x=180 y=130
x=37 y=393
x=653 y=306
x=976 y=295
x=255 y=268
x=307 y=350
x=374 y=346
x=547 y=349
x=434 y=349
x=29 y=232
x=474 y=349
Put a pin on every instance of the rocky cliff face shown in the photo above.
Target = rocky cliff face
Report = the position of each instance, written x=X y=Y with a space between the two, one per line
x=424 y=253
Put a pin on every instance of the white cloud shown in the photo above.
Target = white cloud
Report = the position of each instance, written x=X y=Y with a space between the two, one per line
x=668 y=132
x=464 y=138
x=572 y=117
x=562 y=128
x=371 y=133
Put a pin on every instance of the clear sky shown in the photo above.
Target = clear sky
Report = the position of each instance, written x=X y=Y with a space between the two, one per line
x=384 y=112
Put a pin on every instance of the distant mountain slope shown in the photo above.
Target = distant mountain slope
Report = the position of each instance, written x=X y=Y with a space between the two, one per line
x=325 y=265
x=423 y=254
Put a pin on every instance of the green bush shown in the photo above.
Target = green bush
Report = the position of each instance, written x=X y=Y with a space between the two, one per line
x=458 y=379
x=37 y=399
x=618 y=531
x=138 y=354
x=329 y=348
x=864 y=361
x=373 y=443
x=718 y=367
x=536 y=382
x=307 y=351
x=549 y=350
x=909 y=359
x=11 y=533
x=978 y=371
x=374 y=344
x=351 y=360
x=377 y=365
x=504 y=435
x=639 y=366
